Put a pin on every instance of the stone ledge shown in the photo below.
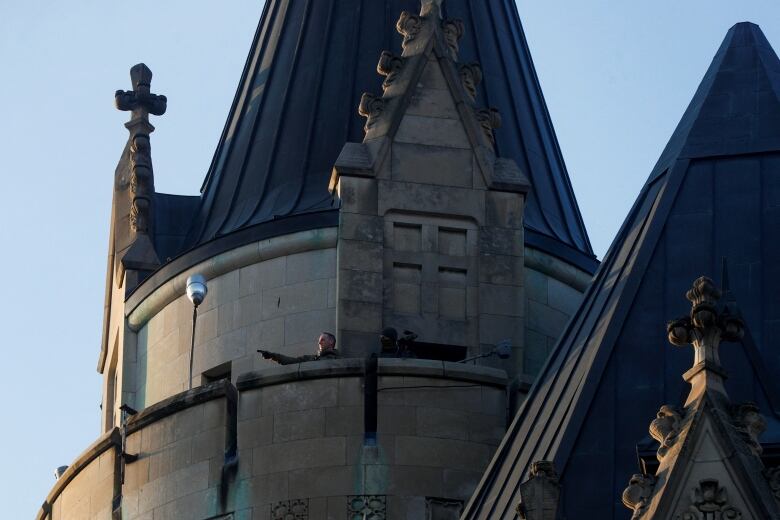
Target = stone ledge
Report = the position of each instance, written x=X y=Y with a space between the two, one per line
x=181 y=401
x=355 y=367
x=103 y=443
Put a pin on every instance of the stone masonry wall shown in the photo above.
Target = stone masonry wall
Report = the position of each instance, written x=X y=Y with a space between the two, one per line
x=550 y=304
x=281 y=304
x=88 y=495
x=301 y=447
x=177 y=474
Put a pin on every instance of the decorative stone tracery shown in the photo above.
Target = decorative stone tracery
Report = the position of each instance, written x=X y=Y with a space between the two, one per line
x=709 y=501
x=367 y=507
x=297 y=509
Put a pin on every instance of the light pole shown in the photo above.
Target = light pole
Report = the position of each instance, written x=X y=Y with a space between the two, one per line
x=196 y=292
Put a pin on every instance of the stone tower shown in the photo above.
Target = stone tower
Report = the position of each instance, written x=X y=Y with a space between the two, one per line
x=437 y=202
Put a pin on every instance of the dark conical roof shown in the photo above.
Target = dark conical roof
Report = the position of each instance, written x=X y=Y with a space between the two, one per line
x=714 y=193
x=297 y=102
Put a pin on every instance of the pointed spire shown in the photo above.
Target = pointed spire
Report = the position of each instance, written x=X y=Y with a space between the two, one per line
x=293 y=113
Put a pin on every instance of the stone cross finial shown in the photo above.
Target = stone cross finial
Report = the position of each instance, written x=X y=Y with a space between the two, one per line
x=705 y=328
x=140 y=100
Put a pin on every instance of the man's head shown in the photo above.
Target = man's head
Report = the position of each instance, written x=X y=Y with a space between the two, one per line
x=327 y=341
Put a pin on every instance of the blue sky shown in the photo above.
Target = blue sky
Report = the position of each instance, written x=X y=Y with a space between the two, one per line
x=617 y=76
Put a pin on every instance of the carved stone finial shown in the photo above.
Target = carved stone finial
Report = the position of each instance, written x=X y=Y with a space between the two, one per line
x=489 y=119
x=389 y=66
x=709 y=500
x=409 y=26
x=705 y=328
x=665 y=428
x=638 y=493
x=140 y=100
x=750 y=425
x=540 y=494
x=371 y=107
x=470 y=77
x=453 y=31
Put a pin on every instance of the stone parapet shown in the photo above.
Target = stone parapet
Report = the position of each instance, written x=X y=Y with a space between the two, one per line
x=295 y=437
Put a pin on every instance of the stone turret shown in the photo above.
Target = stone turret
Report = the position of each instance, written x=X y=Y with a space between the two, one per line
x=431 y=220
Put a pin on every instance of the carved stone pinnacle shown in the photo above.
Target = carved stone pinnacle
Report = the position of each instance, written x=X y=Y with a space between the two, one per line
x=705 y=328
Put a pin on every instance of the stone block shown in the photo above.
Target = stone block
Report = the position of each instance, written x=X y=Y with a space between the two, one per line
x=494 y=402
x=563 y=297
x=255 y=432
x=433 y=102
x=432 y=131
x=360 y=255
x=268 y=335
x=228 y=315
x=310 y=265
x=299 y=297
x=486 y=428
x=265 y=489
x=249 y=310
x=360 y=317
x=223 y=289
x=441 y=423
x=322 y=482
x=350 y=391
x=460 y=484
x=441 y=453
x=414 y=197
x=305 y=327
x=208 y=444
x=535 y=352
x=500 y=300
x=536 y=286
x=414 y=480
x=344 y=420
x=358 y=195
x=206 y=326
x=357 y=344
x=545 y=320
x=292 y=426
x=267 y=274
x=368 y=228
x=396 y=420
x=432 y=165
x=186 y=422
x=287 y=397
x=500 y=241
x=360 y=286
x=195 y=505
x=493 y=329
x=504 y=209
x=301 y=454
x=501 y=269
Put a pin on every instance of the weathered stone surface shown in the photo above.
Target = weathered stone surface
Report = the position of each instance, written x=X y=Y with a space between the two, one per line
x=432 y=131
x=301 y=454
x=432 y=165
